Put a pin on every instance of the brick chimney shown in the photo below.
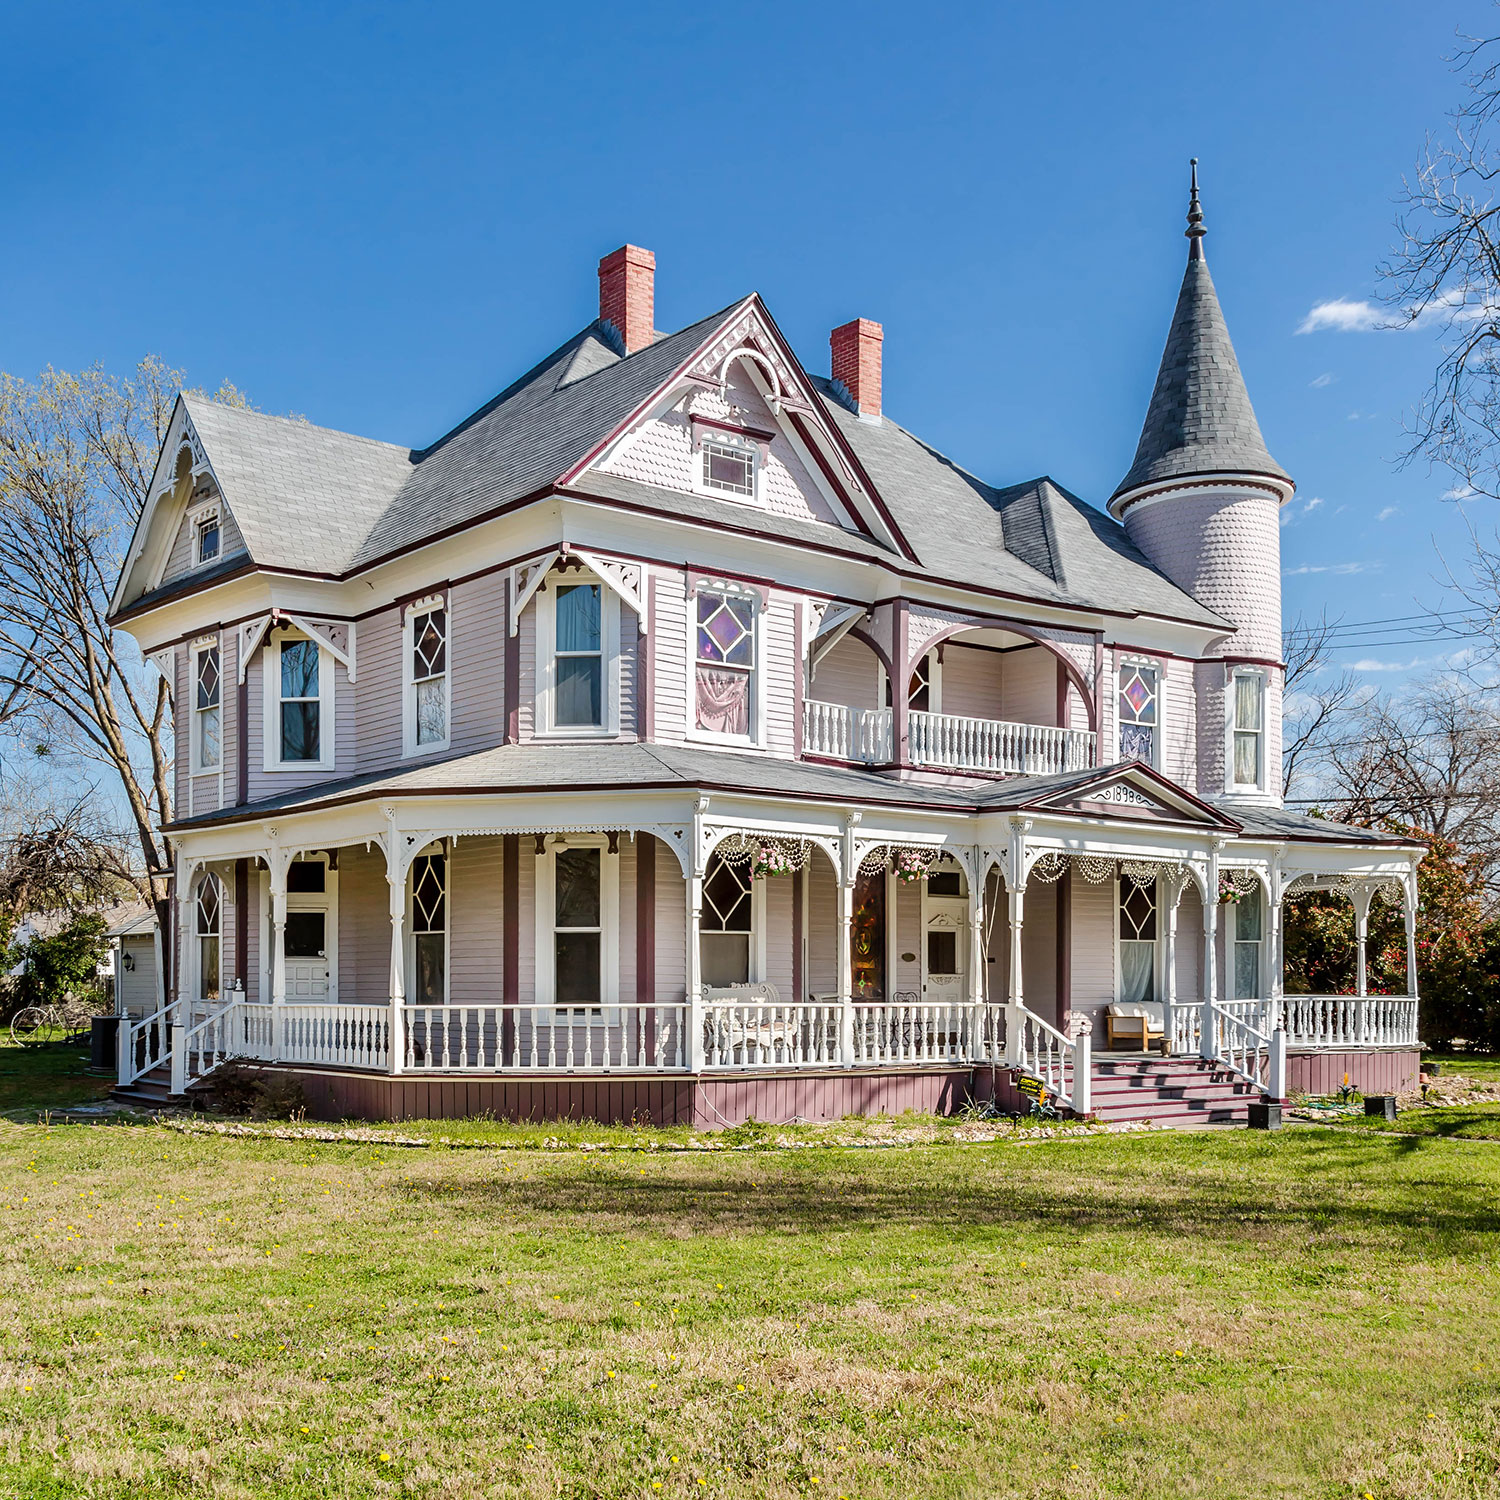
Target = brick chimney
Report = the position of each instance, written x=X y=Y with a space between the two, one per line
x=627 y=294
x=856 y=363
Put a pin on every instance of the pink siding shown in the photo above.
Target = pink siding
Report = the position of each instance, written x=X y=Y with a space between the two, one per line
x=661 y=454
x=850 y=674
x=274 y=783
x=908 y=919
x=526 y=925
x=526 y=671
x=669 y=649
x=477 y=662
x=254 y=925
x=627 y=918
x=1093 y=949
x=476 y=943
x=378 y=711
x=1028 y=692
x=973 y=681
x=822 y=926
x=1387 y=1071
x=1039 y=951
x=364 y=926
x=1179 y=723
x=779 y=656
x=1190 y=946
x=779 y=935
x=671 y=929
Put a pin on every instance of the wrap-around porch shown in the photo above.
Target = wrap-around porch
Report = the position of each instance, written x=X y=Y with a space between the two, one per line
x=760 y=940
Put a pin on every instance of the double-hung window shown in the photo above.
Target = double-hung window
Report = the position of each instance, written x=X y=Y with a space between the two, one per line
x=724 y=664
x=1247 y=936
x=728 y=922
x=1137 y=941
x=578 y=657
x=298 y=676
x=206 y=537
x=1248 y=730
x=209 y=912
x=577 y=925
x=429 y=928
x=1140 y=710
x=428 y=698
x=207 y=726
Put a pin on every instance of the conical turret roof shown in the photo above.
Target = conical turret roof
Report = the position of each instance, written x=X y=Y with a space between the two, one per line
x=1200 y=420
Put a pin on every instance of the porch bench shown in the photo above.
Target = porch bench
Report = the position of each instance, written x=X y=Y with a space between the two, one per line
x=1137 y=1024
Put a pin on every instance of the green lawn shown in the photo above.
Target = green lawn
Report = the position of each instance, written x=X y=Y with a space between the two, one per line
x=1312 y=1313
x=1481 y=1065
x=40 y=1078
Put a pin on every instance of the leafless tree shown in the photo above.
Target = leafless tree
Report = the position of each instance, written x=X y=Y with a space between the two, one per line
x=1315 y=702
x=60 y=854
x=1430 y=760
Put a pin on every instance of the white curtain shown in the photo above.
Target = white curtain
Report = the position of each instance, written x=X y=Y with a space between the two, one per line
x=1137 y=972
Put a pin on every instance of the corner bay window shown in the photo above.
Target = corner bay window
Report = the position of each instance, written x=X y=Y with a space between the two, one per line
x=429 y=677
x=1248 y=706
x=1137 y=941
x=724 y=663
x=727 y=922
x=1139 y=704
x=578 y=657
x=206 y=711
x=299 y=709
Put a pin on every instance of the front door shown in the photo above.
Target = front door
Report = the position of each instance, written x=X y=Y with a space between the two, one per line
x=306 y=951
x=945 y=953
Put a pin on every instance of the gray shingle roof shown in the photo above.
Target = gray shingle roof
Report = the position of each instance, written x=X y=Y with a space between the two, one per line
x=1279 y=823
x=1200 y=420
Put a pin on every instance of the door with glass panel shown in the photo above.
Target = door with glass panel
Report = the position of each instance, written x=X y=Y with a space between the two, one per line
x=945 y=915
x=306 y=940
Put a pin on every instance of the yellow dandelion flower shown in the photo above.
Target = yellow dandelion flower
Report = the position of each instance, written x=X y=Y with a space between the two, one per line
x=385 y=1458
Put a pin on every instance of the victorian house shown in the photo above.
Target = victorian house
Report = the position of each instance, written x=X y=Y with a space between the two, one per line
x=680 y=737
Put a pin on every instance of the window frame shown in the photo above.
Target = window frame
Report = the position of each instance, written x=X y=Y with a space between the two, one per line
x=1232 y=730
x=200 y=937
x=608 y=1011
x=198 y=518
x=753 y=445
x=271 y=694
x=1255 y=900
x=409 y=726
x=545 y=725
x=197 y=766
x=756 y=947
x=410 y=930
x=1158 y=957
x=1135 y=663
x=760 y=610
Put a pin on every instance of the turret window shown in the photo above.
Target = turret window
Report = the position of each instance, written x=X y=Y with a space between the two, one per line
x=1248 y=729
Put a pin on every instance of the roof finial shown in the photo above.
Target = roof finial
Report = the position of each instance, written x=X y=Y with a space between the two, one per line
x=1195 y=230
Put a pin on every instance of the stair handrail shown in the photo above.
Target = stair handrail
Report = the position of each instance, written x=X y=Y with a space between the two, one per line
x=220 y=1036
x=1061 y=1063
x=127 y=1070
x=1238 y=1046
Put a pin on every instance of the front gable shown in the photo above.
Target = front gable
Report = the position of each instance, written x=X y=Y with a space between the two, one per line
x=1132 y=793
x=743 y=389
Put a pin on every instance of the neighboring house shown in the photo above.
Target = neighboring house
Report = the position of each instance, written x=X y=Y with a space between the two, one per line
x=680 y=735
x=132 y=956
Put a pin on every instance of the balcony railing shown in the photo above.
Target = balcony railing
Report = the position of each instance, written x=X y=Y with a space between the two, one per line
x=945 y=741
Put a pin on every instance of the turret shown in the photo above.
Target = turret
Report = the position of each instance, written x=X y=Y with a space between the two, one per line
x=1202 y=501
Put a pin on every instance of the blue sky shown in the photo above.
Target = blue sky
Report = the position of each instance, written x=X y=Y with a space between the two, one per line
x=377 y=215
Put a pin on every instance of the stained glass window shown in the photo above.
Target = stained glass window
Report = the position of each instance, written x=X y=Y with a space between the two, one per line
x=300 y=708
x=726 y=922
x=725 y=662
x=206 y=712
x=1139 y=704
x=727 y=466
x=429 y=926
x=429 y=675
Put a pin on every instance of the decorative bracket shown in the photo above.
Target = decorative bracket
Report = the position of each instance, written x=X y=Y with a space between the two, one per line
x=525 y=579
x=627 y=579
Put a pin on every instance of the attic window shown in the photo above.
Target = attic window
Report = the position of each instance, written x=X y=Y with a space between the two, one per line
x=728 y=466
x=208 y=537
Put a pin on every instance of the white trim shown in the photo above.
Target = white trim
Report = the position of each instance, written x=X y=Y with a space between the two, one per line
x=197 y=516
x=327 y=902
x=409 y=616
x=1158 y=962
x=544 y=726
x=723 y=436
x=760 y=606
x=197 y=944
x=945 y=906
x=1232 y=787
x=271 y=696
x=1123 y=660
x=609 y=924
x=196 y=767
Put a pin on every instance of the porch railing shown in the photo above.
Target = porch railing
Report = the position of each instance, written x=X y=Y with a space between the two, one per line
x=1350 y=1020
x=543 y=1038
x=944 y=741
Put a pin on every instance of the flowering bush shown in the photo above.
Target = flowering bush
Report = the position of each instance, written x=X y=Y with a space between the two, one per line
x=910 y=864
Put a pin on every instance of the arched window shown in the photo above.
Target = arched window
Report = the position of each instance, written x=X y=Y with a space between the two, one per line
x=209 y=913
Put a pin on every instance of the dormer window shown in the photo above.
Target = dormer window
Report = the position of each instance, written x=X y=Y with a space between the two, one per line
x=728 y=466
x=208 y=537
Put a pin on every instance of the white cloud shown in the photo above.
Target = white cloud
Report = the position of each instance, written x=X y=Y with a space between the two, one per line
x=1371 y=664
x=1459 y=492
x=1343 y=316
x=1387 y=512
x=1338 y=568
x=1324 y=379
x=1312 y=504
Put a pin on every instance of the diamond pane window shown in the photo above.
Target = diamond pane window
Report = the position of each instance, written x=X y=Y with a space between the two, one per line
x=726 y=466
x=725 y=663
x=206 y=712
x=429 y=675
x=208 y=912
x=1137 y=942
x=429 y=925
x=726 y=923
x=1139 y=688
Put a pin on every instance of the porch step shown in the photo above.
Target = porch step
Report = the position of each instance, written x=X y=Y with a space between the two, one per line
x=1179 y=1091
x=151 y=1090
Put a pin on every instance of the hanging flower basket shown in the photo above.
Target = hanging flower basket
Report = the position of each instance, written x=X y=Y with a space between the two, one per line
x=1230 y=893
x=769 y=860
x=911 y=864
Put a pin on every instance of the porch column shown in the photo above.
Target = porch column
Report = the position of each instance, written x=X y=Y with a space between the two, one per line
x=1173 y=887
x=846 y=967
x=278 y=868
x=397 y=1028
x=695 y=972
x=1360 y=896
x=1208 y=1031
x=185 y=975
x=979 y=882
x=1015 y=1009
x=1410 y=907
